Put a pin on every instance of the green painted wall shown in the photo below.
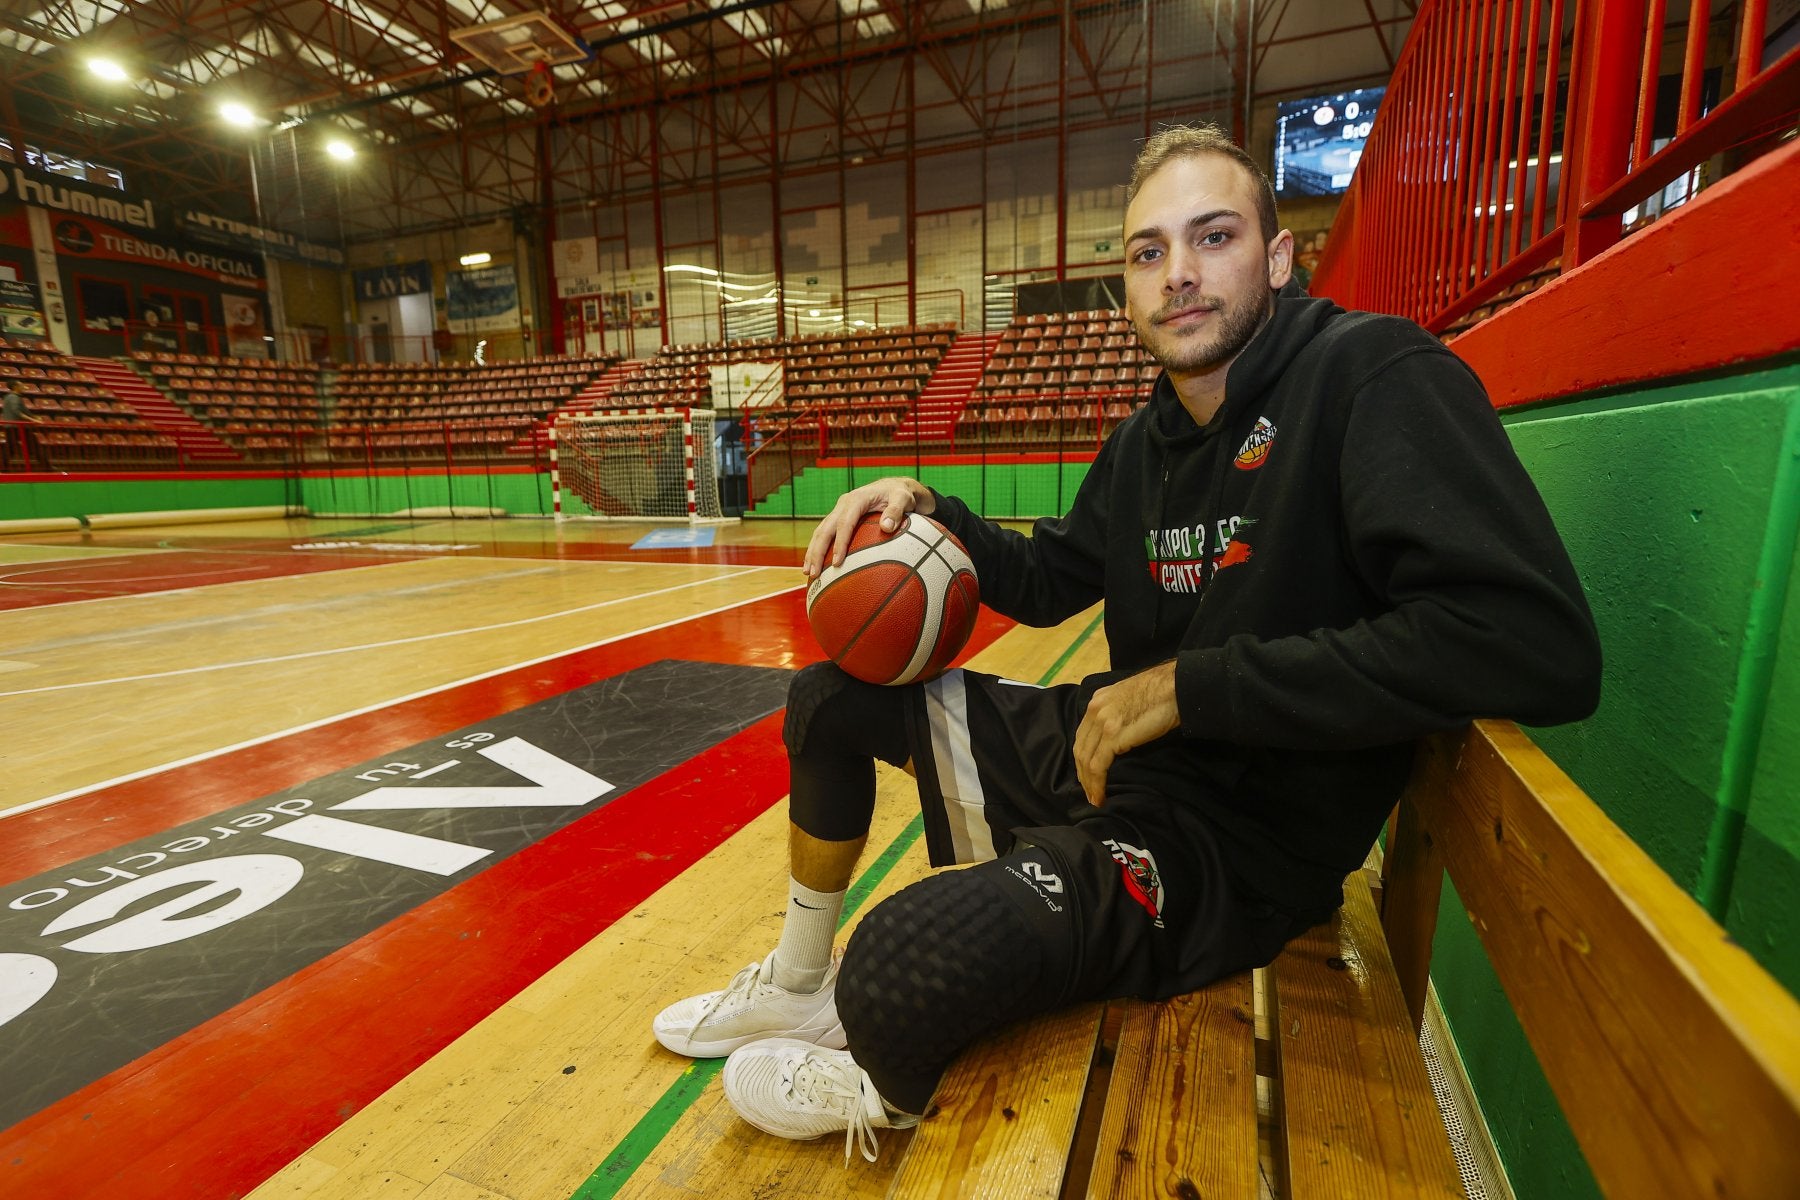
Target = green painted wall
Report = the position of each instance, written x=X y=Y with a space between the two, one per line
x=521 y=495
x=1764 y=912
x=1003 y=491
x=1678 y=505
x=363 y=494
x=77 y=497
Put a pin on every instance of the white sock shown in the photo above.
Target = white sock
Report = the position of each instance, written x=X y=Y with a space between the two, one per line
x=804 y=953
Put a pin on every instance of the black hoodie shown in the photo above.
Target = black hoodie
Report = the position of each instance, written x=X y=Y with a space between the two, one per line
x=1348 y=556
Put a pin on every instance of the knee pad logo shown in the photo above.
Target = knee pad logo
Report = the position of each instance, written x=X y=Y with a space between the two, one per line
x=1143 y=882
x=1040 y=879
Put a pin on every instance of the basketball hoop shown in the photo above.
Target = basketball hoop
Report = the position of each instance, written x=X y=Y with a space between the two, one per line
x=540 y=85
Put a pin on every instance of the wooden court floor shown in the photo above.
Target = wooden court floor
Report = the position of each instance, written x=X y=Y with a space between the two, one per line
x=352 y=858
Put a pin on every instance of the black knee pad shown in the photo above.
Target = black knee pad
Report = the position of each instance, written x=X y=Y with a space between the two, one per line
x=948 y=961
x=832 y=712
x=835 y=729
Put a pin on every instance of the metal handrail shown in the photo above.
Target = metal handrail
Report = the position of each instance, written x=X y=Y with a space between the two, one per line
x=1518 y=136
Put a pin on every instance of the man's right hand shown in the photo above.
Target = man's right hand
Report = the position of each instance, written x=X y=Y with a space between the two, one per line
x=892 y=498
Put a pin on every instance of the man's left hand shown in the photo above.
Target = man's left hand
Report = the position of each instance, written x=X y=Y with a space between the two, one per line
x=1121 y=717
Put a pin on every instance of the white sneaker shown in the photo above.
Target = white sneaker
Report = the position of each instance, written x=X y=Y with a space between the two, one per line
x=796 y=1090
x=750 y=1009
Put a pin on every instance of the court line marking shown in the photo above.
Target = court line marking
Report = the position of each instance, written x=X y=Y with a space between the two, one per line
x=398 y=700
x=69 y=554
x=635 y=1148
x=9 y=578
x=201 y=587
x=353 y=648
x=388 y=561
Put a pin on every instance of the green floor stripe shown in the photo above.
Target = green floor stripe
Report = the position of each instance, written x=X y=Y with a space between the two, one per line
x=878 y=870
x=635 y=1147
x=1075 y=645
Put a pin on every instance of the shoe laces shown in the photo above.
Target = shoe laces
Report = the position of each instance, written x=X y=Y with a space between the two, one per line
x=827 y=1082
x=741 y=987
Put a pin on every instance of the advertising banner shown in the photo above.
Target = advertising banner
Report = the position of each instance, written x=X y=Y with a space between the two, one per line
x=398 y=279
x=577 y=262
x=254 y=239
x=80 y=237
x=244 y=326
x=60 y=194
x=484 y=300
x=21 y=313
x=746 y=384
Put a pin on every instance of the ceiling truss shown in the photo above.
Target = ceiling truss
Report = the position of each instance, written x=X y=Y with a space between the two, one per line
x=678 y=93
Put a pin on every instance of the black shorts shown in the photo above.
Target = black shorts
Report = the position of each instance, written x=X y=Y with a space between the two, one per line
x=1158 y=913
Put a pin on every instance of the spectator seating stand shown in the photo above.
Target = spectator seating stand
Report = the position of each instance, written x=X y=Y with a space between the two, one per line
x=421 y=410
x=1056 y=378
x=262 y=408
x=861 y=381
x=75 y=421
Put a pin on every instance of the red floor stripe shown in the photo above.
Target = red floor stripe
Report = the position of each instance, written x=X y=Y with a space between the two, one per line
x=548 y=546
x=770 y=633
x=215 y=1112
x=26 y=585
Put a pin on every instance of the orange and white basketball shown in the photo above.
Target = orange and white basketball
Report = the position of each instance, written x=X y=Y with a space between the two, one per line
x=900 y=607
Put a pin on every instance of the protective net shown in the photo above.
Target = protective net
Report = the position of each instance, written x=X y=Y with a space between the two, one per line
x=639 y=465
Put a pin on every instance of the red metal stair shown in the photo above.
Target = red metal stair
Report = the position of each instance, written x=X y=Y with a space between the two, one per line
x=951 y=386
x=197 y=443
x=593 y=396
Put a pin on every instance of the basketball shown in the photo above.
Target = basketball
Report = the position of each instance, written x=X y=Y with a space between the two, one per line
x=901 y=605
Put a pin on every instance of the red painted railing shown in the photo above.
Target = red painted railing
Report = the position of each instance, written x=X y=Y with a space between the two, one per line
x=1523 y=137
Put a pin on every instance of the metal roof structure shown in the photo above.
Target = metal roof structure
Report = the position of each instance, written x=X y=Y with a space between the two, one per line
x=446 y=139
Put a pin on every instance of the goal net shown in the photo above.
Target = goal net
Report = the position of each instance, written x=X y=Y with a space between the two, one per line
x=638 y=465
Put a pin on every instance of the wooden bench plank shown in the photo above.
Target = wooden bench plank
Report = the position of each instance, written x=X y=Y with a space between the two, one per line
x=1410 y=892
x=1361 y=1119
x=1675 y=1057
x=1005 y=1114
x=1180 y=1116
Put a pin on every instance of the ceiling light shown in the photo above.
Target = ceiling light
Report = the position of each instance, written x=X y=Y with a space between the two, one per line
x=341 y=150
x=107 y=69
x=237 y=114
x=476 y=259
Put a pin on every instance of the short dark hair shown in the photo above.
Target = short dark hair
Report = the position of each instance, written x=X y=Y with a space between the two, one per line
x=1189 y=141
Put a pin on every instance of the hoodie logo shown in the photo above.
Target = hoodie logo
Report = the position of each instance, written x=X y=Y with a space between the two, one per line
x=1182 y=558
x=1255 y=450
x=1143 y=882
x=1236 y=554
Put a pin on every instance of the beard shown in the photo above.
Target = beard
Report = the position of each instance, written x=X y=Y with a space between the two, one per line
x=1195 y=351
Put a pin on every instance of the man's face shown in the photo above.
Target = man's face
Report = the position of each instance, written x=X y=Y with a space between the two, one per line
x=1198 y=276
